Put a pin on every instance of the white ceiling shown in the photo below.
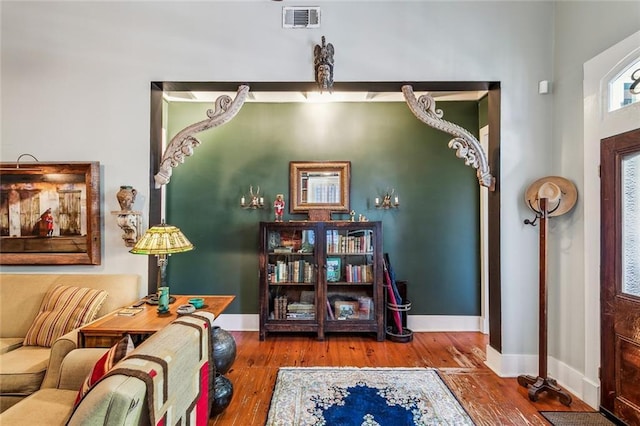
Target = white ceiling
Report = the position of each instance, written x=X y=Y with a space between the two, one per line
x=282 y=97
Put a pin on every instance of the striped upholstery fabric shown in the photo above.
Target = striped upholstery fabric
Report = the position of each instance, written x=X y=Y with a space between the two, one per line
x=106 y=362
x=63 y=309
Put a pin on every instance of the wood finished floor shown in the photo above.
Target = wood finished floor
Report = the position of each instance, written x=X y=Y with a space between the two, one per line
x=489 y=399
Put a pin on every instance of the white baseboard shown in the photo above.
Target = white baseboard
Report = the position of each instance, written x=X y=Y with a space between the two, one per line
x=426 y=323
x=250 y=322
x=568 y=378
x=506 y=365
x=239 y=322
x=591 y=393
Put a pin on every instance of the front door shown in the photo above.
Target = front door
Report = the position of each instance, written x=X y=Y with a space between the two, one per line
x=620 y=276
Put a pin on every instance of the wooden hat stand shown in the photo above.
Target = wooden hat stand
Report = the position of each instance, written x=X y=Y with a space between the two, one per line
x=542 y=383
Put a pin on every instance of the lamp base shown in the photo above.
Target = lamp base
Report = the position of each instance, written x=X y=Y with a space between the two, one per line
x=152 y=299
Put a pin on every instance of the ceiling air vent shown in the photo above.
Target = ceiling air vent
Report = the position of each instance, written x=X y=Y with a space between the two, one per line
x=300 y=17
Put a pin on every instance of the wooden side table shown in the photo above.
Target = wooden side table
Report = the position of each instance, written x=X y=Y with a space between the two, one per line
x=108 y=330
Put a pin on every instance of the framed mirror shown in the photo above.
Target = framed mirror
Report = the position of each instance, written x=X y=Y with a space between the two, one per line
x=319 y=188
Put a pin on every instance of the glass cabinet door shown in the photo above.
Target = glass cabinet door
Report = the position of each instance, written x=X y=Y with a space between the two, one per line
x=291 y=274
x=350 y=274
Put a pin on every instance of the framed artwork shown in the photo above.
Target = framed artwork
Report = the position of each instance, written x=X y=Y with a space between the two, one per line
x=50 y=213
x=333 y=269
x=346 y=310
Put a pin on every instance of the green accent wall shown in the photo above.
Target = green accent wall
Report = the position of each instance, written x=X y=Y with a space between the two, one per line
x=432 y=239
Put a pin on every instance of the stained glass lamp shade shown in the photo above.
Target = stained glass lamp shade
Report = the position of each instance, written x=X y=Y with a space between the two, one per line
x=162 y=241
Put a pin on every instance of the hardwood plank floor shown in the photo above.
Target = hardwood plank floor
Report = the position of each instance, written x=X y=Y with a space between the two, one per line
x=489 y=399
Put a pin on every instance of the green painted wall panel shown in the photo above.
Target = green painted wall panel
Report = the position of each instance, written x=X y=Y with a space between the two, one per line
x=432 y=239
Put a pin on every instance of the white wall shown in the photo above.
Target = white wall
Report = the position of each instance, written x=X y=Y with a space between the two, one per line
x=581 y=34
x=75 y=87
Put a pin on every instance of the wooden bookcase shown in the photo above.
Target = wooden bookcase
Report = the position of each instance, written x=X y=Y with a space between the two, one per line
x=321 y=277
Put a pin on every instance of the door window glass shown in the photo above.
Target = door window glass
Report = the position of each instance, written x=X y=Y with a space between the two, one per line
x=631 y=224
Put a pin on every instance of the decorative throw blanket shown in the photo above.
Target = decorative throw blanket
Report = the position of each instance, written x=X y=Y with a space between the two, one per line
x=177 y=367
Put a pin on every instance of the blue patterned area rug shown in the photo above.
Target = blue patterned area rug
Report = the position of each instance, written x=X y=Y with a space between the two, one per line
x=330 y=396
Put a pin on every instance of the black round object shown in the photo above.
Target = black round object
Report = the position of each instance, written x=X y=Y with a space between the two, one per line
x=222 y=394
x=224 y=349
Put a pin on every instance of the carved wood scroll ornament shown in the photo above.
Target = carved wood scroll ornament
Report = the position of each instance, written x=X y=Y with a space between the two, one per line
x=465 y=144
x=182 y=144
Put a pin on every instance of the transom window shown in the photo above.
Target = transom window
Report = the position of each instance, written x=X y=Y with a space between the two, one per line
x=624 y=89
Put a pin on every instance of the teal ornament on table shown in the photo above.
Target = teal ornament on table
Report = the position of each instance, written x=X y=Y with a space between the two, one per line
x=163 y=300
x=197 y=302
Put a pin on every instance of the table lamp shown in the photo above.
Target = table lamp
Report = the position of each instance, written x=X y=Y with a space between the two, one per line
x=162 y=241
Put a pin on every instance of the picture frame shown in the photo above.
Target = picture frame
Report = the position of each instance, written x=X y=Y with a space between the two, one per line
x=319 y=188
x=346 y=310
x=334 y=269
x=50 y=213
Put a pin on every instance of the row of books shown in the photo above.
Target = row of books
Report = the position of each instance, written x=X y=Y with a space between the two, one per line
x=358 y=273
x=294 y=271
x=282 y=309
x=339 y=243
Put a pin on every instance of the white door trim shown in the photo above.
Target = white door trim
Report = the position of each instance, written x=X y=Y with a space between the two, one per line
x=599 y=124
x=484 y=241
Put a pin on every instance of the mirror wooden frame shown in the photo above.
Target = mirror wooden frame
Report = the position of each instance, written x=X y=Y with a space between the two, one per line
x=47 y=180
x=299 y=173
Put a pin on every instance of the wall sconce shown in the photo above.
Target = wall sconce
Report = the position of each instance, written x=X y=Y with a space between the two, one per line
x=323 y=65
x=129 y=221
x=388 y=201
x=253 y=201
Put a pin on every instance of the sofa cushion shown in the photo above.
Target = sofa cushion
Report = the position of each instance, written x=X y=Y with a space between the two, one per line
x=106 y=362
x=10 y=343
x=115 y=400
x=22 y=370
x=47 y=406
x=63 y=309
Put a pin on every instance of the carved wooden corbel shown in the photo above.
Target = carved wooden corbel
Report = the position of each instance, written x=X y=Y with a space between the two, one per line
x=182 y=144
x=465 y=144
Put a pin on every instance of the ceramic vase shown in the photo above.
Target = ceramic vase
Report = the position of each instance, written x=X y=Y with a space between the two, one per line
x=163 y=300
x=126 y=197
x=222 y=394
x=224 y=349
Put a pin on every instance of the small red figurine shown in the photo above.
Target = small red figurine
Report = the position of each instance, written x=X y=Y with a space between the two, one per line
x=47 y=223
x=278 y=206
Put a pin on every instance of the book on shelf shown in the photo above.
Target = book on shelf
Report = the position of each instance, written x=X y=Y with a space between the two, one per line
x=298 y=310
x=129 y=312
x=283 y=250
x=280 y=307
x=333 y=269
x=365 y=308
x=301 y=315
x=330 y=311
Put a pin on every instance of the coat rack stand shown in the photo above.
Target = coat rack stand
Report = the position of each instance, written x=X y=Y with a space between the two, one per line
x=542 y=383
